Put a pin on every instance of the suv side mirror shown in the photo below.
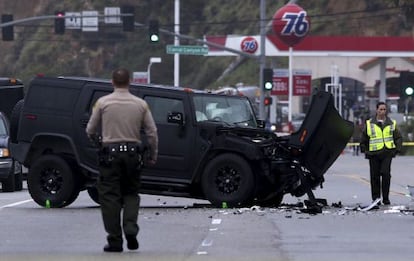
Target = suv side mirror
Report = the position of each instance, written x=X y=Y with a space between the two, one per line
x=176 y=117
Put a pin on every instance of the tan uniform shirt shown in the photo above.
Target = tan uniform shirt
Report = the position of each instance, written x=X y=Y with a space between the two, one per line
x=121 y=116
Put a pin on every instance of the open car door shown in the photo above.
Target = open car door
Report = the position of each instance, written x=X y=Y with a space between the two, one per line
x=322 y=136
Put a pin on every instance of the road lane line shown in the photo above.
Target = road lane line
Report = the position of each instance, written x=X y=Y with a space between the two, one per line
x=208 y=240
x=367 y=182
x=216 y=221
x=16 y=203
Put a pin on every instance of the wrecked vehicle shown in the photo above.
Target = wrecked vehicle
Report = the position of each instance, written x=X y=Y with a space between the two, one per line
x=210 y=146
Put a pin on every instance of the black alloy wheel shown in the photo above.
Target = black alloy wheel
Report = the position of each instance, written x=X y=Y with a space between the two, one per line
x=52 y=183
x=228 y=179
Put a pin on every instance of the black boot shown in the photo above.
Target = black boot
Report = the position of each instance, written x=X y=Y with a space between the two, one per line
x=109 y=248
x=132 y=242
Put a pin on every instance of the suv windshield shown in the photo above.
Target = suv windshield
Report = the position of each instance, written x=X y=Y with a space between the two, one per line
x=228 y=109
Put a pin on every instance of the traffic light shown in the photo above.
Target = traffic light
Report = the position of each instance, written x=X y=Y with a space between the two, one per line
x=406 y=84
x=128 y=22
x=267 y=101
x=267 y=79
x=7 y=32
x=59 y=22
x=153 y=31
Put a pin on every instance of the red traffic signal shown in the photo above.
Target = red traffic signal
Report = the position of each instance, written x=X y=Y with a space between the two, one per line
x=7 y=31
x=59 y=22
x=268 y=101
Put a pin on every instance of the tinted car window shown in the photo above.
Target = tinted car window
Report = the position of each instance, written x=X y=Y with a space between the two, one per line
x=56 y=99
x=160 y=107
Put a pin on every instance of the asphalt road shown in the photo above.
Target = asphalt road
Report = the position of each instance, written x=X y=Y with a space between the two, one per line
x=187 y=229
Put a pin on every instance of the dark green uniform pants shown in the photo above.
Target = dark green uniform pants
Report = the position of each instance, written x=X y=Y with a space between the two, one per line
x=118 y=189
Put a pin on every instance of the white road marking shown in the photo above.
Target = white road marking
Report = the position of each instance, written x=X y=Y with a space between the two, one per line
x=16 y=204
x=216 y=221
x=207 y=242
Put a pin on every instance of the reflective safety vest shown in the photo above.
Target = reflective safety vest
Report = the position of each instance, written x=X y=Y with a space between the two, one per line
x=378 y=138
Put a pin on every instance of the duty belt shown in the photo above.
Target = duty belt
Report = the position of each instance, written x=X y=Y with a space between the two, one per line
x=111 y=151
x=121 y=147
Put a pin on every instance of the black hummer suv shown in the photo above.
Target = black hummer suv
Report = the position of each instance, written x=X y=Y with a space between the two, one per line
x=210 y=146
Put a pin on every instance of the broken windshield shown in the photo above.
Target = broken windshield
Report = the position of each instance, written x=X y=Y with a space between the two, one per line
x=229 y=109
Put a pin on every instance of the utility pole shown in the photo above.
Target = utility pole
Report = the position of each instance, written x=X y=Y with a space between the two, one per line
x=177 y=42
x=262 y=58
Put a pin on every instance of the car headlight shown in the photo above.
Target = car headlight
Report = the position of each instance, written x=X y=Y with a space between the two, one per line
x=4 y=152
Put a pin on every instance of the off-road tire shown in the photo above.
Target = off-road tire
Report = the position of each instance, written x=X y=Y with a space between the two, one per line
x=18 y=181
x=228 y=178
x=8 y=184
x=51 y=179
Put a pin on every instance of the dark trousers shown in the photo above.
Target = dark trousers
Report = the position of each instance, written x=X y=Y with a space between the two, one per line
x=118 y=189
x=380 y=175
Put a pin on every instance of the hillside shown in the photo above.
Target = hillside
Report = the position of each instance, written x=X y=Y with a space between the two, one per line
x=36 y=49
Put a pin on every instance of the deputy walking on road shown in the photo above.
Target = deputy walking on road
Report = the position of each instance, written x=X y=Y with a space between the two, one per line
x=121 y=115
x=381 y=141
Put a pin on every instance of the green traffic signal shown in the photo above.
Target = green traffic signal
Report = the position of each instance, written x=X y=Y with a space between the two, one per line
x=153 y=31
x=406 y=83
x=268 y=85
x=268 y=79
x=154 y=38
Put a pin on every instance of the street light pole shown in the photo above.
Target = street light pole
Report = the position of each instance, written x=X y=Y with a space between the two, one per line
x=152 y=60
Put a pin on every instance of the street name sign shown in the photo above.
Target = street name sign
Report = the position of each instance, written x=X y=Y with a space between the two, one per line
x=187 y=49
x=90 y=21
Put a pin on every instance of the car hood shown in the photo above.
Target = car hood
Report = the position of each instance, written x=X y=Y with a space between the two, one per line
x=322 y=136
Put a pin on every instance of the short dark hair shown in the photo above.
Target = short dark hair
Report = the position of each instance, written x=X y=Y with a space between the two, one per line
x=381 y=103
x=120 y=77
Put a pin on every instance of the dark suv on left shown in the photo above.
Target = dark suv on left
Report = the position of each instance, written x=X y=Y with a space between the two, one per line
x=10 y=170
x=11 y=92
